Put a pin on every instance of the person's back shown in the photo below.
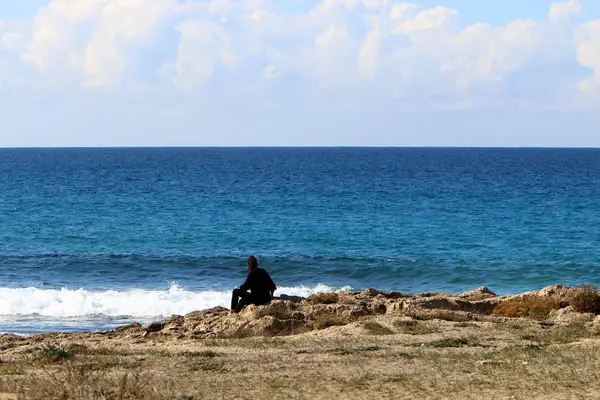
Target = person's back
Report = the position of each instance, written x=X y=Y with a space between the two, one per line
x=257 y=289
x=260 y=284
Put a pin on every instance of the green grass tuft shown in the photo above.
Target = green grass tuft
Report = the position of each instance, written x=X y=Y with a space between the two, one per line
x=55 y=352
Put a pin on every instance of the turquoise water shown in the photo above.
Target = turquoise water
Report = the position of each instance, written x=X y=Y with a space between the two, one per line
x=86 y=231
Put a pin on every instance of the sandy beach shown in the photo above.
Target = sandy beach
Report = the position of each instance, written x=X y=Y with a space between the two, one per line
x=370 y=344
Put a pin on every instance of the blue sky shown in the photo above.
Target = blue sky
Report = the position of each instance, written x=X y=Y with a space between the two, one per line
x=301 y=72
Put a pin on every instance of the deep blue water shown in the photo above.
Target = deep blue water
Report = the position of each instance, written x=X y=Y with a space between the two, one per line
x=406 y=219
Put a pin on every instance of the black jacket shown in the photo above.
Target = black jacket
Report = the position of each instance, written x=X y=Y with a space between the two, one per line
x=260 y=284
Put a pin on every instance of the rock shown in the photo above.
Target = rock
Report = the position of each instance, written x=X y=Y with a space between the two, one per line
x=444 y=315
x=567 y=315
x=396 y=307
x=175 y=320
x=481 y=293
x=559 y=291
x=295 y=299
x=128 y=329
x=281 y=309
x=481 y=307
x=393 y=295
x=345 y=298
x=154 y=327
x=594 y=324
x=378 y=308
x=288 y=315
x=370 y=292
x=270 y=326
x=174 y=323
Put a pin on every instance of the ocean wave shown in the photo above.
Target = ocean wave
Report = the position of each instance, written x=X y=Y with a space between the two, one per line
x=136 y=303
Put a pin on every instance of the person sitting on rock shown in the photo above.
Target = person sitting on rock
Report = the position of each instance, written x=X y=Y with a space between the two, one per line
x=260 y=285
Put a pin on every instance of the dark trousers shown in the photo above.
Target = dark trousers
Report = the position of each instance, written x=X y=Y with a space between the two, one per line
x=240 y=299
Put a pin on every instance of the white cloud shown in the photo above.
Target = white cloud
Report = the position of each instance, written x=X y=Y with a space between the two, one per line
x=55 y=33
x=368 y=57
x=565 y=10
x=588 y=54
x=84 y=38
x=389 y=48
x=435 y=18
x=203 y=46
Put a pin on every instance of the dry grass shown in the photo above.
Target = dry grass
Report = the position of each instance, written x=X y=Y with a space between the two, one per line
x=437 y=360
x=530 y=306
x=584 y=299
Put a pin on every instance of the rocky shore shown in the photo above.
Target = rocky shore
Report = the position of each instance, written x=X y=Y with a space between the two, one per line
x=370 y=344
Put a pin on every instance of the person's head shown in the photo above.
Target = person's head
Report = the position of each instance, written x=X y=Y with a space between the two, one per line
x=252 y=263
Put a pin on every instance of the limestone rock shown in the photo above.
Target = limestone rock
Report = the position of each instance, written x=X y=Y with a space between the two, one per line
x=281 y=309
x=270 y=326
x=154 y=327
x=481 y=293
x=378 y=308
x=559 y=291
x=129 y=330
x=295 y=299
x=453 y=304
x=567 y=315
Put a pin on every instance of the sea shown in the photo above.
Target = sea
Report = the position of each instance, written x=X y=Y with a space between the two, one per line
x=95 y=238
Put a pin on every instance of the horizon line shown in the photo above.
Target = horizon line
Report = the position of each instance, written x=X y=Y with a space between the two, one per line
x=290 y=147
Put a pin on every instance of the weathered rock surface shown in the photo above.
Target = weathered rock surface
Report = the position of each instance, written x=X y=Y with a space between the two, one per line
x=289 y=315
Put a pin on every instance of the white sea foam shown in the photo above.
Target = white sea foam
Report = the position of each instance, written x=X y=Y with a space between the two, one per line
x=65 y=303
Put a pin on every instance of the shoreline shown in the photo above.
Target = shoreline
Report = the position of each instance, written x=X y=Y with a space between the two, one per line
x=372 y=344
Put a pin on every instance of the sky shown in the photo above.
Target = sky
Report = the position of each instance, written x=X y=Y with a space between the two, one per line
x=503 y=73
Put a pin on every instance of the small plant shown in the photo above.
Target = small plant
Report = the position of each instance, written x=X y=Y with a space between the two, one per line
x=369 y=348
x=207 y=365
x=342 y=350
x=412 y=327
x=323 y=322
x=526 y=337
x=375 y=328
x=584 y=299
x=531 y=306
x=324 y=298
x=55 y=352
x=465 y=325
x=405 y=355
x=448 y=343
x=203 y=353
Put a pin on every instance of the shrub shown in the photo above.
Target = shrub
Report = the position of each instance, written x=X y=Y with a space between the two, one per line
x=531 y=306
x=324 y=298
x=55 y=352
x=375 y=328
x=584 y=299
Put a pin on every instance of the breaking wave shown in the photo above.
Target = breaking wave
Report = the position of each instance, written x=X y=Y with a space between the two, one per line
x=136 y=303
